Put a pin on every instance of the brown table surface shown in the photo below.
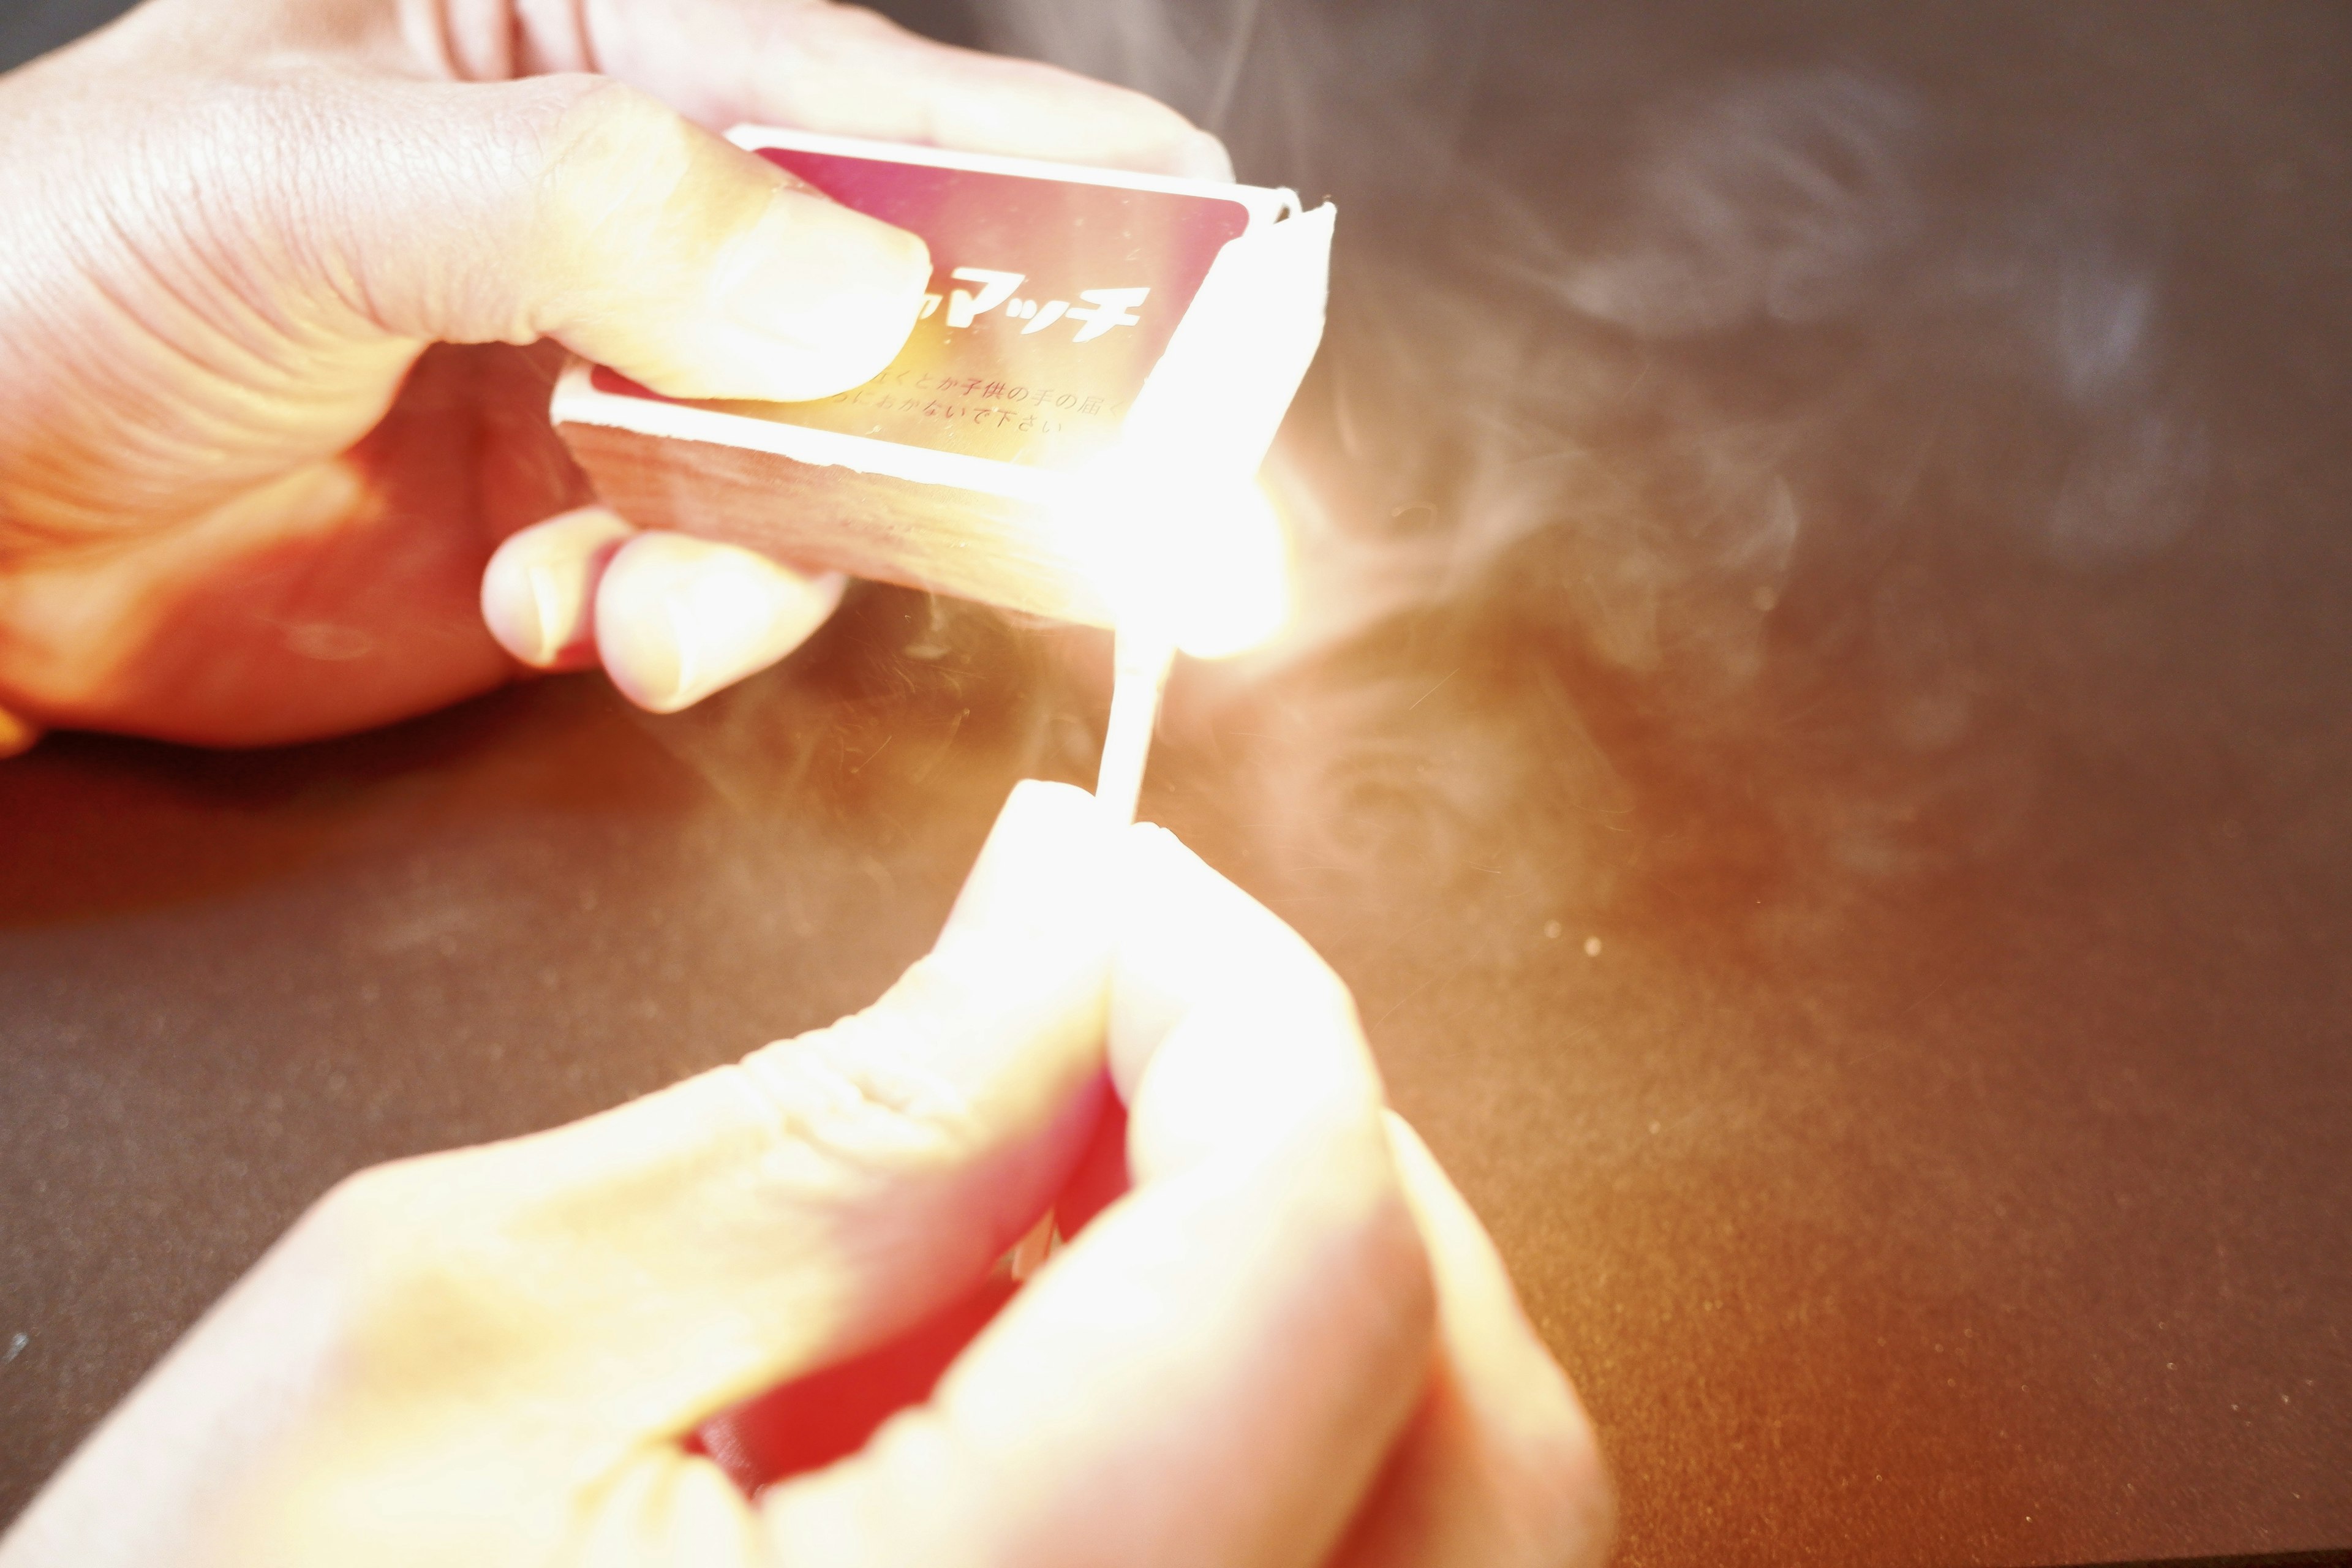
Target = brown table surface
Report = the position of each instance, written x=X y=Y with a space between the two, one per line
x=1854 y=877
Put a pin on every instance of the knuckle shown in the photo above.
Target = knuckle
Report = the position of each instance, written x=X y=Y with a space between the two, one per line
x=369 y=1208
x=630 y=194
x=400 y=1244
x=858 y=1095
x=363 y=1238
x=591 y=110
x=593 y=131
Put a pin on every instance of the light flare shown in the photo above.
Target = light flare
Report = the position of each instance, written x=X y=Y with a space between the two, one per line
x=1203 y=563
x=1186 y=563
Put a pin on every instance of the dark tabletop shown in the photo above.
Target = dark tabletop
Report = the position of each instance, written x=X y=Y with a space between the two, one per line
x=1820 y=736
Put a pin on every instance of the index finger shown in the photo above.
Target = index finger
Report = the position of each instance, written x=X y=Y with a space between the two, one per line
x=1214 y=1371
x=847 y=71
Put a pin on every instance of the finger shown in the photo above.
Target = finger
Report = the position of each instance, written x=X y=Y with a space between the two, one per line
x=579 y=209
x=830 y=1414
x=1213 y=1370
x=848 y=71
x=1499 y=1468
x=539 y=588
x=1100 y=1178
x=812 y=1421
x=699 y=1245
x=678 y=618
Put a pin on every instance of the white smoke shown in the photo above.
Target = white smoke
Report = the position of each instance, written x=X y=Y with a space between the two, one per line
x=1741 y=382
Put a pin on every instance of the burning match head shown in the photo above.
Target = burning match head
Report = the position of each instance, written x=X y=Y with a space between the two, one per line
x=1231 y=577
x=1198 y=564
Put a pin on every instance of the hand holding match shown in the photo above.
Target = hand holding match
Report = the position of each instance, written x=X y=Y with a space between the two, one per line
x=1277 y=1335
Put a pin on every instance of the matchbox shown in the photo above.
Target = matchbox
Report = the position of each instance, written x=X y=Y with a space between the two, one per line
x=1079 y=322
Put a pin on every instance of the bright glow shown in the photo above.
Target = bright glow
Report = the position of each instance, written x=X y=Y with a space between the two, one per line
x=1231 y=584
x=1205 y=564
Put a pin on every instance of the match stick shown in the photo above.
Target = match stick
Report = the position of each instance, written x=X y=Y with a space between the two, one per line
x=1139 y=662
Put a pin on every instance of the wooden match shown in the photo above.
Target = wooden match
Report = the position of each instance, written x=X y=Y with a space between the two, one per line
x=1140 y=662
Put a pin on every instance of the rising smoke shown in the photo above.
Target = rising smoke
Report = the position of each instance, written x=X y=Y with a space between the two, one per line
x=1731 y=417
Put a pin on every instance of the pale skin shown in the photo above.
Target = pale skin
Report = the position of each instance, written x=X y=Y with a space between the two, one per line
x=1287 y=1342
x=244 y=498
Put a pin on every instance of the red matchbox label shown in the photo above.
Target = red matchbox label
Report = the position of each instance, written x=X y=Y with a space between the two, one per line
x=1050 y=301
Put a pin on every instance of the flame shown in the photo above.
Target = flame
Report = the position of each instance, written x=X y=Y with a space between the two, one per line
x=1200 y=562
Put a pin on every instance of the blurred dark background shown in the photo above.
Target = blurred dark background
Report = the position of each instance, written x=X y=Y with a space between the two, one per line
x=1817 y=732
x=34 y=27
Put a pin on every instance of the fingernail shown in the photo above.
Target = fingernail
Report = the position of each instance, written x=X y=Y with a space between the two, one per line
x=825 y=296
x=678 y=618
x=540 y=584
x=1045 y=864
x=1202 y=156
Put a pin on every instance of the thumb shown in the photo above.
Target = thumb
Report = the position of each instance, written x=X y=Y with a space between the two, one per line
x=576 y=209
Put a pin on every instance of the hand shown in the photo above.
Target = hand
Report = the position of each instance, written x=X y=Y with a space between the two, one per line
x=1289 y=1342
x=243 y=498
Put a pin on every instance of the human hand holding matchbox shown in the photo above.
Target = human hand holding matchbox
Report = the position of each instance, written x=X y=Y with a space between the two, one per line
x=1093 y=341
